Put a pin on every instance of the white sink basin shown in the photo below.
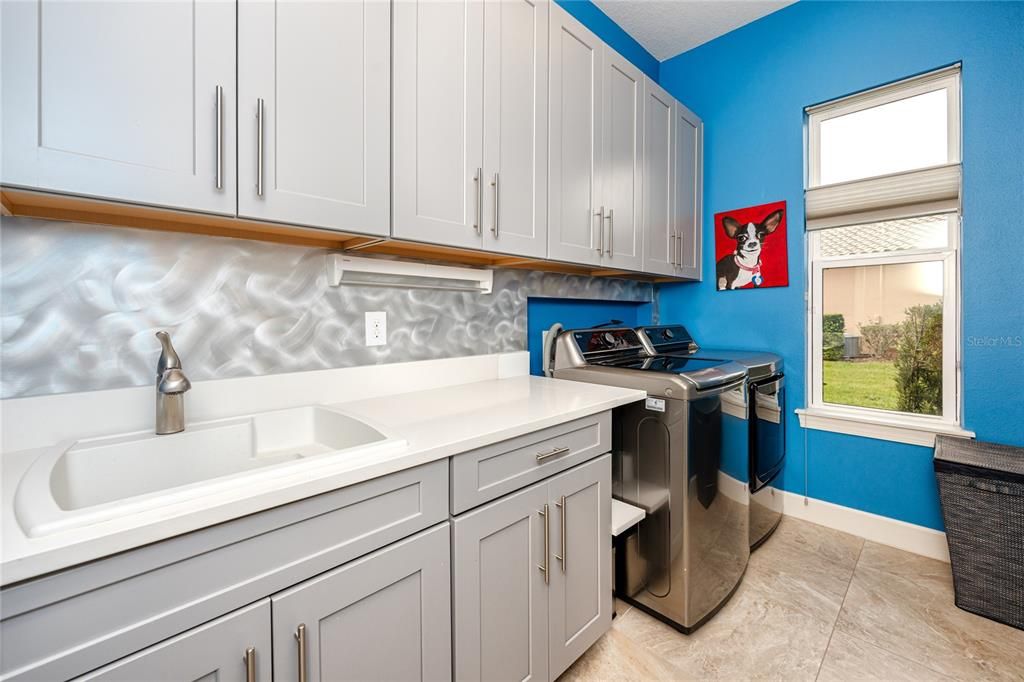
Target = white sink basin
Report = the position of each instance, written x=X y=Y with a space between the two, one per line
x=97 y=479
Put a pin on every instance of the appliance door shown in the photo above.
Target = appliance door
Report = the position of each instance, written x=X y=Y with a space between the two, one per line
x=767 y=430
x=685 y=464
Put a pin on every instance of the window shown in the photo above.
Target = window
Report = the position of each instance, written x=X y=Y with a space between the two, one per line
x=883 y=221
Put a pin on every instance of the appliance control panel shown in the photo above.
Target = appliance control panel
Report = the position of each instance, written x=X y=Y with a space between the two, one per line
x=670 y=337
x=606 y=340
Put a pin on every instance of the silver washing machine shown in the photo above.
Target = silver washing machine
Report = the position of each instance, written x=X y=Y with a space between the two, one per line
x=764 y=405
x=681 y=456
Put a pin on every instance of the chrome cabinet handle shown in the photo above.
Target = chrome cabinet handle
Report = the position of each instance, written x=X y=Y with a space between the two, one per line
x=300 y=637
x=259 y=147
x=497 y=199
x=541 y=456
x=672 y=249
x=220 y=137
x=478 y=179
x=250 y=664
x=600 y=230
x=679 y=251
x=611 y=229
x=561 y=505
x=547 y=548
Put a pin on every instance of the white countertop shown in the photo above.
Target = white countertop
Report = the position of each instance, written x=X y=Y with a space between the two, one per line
x=436 y=423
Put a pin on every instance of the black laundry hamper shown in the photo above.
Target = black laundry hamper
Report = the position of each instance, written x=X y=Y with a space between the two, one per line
x=981 y=487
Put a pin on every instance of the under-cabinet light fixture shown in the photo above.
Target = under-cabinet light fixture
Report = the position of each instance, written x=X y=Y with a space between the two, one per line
x=348 y=270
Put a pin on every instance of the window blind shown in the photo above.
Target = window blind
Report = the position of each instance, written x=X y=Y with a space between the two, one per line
x=888 y=197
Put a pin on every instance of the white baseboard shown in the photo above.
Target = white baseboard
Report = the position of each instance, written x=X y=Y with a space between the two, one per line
x=881 y=529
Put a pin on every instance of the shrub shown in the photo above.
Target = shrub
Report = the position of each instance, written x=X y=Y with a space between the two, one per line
x=832 y=327
x=881 y=339
x=919 y=360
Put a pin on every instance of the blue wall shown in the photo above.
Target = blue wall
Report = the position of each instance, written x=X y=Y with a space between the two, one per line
x=541 y=313
x=591 y=16
x=750 y=87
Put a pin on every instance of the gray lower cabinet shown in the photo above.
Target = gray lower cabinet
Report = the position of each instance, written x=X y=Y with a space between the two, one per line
x=500 y=600
x=386 y=616
x=227 y=649
x=370 y=582
x=532 y=577
x=580 y=598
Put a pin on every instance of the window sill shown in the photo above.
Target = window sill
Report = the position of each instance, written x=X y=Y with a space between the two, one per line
x=895 y=428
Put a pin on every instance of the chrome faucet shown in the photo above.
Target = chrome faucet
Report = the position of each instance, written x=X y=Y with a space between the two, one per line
x=171 y=384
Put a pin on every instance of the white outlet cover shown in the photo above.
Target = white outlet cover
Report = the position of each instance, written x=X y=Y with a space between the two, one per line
x=376 y=328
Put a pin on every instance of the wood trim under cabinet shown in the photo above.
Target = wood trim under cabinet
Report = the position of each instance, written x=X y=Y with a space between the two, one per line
x=50 y=206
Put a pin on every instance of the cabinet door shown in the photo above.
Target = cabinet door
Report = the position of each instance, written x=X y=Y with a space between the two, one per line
x=322 y=73
x=659 y=236
x=515 y=126
x=119 y=100
x=215 y=651
x=622 y=168
x=500 y=596
x=574 y=161
x=438 y=117
x=688 y=171
x=580 y=605
x=386 y=616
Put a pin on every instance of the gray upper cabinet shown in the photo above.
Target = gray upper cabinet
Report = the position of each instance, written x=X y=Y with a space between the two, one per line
x=314 y=113
x=131 y=101
x=595 y=196
x=233 y=648
x=532 y=577
x=575 y=142
x=383 y=617
x=438 y=119
x=688 y=153
x=580 y=603
x=515 y=127
x=622 y=163
x=470 y=164
x=500 y=597
x=660 y=251
x=504 y=126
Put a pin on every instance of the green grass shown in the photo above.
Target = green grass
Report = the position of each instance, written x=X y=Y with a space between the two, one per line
x=863 y=383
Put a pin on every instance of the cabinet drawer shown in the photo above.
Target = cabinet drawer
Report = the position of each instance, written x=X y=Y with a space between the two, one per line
x=71 y=622
x=490 y=472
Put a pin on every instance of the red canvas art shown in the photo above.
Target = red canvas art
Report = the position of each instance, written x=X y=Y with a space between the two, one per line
x=750 y=247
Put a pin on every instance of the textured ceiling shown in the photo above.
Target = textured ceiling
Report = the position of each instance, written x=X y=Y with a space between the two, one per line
x=668 y=27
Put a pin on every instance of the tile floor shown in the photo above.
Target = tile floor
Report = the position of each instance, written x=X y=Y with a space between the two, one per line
x=818 y=604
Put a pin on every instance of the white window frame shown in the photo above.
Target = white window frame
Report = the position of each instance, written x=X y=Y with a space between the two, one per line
x=872 y=422
x=947 y=79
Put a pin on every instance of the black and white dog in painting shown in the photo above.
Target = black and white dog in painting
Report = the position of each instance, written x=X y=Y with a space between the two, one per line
x=743 y=266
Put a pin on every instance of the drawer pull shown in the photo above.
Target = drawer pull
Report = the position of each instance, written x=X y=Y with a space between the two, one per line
x=250 y=664
x=561 y=557
x=219 y=92
x=497 y=200
x=259 y=147
x=545 y=567
x=479 y=180
x=300 y=637
x=541 y=456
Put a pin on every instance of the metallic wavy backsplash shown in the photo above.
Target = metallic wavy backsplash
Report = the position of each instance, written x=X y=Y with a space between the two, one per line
x=80 y=305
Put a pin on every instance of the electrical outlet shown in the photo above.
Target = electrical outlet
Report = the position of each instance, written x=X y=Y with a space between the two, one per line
x=376 y=329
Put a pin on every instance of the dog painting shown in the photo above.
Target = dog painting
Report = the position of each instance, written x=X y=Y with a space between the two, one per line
x=750 y=247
